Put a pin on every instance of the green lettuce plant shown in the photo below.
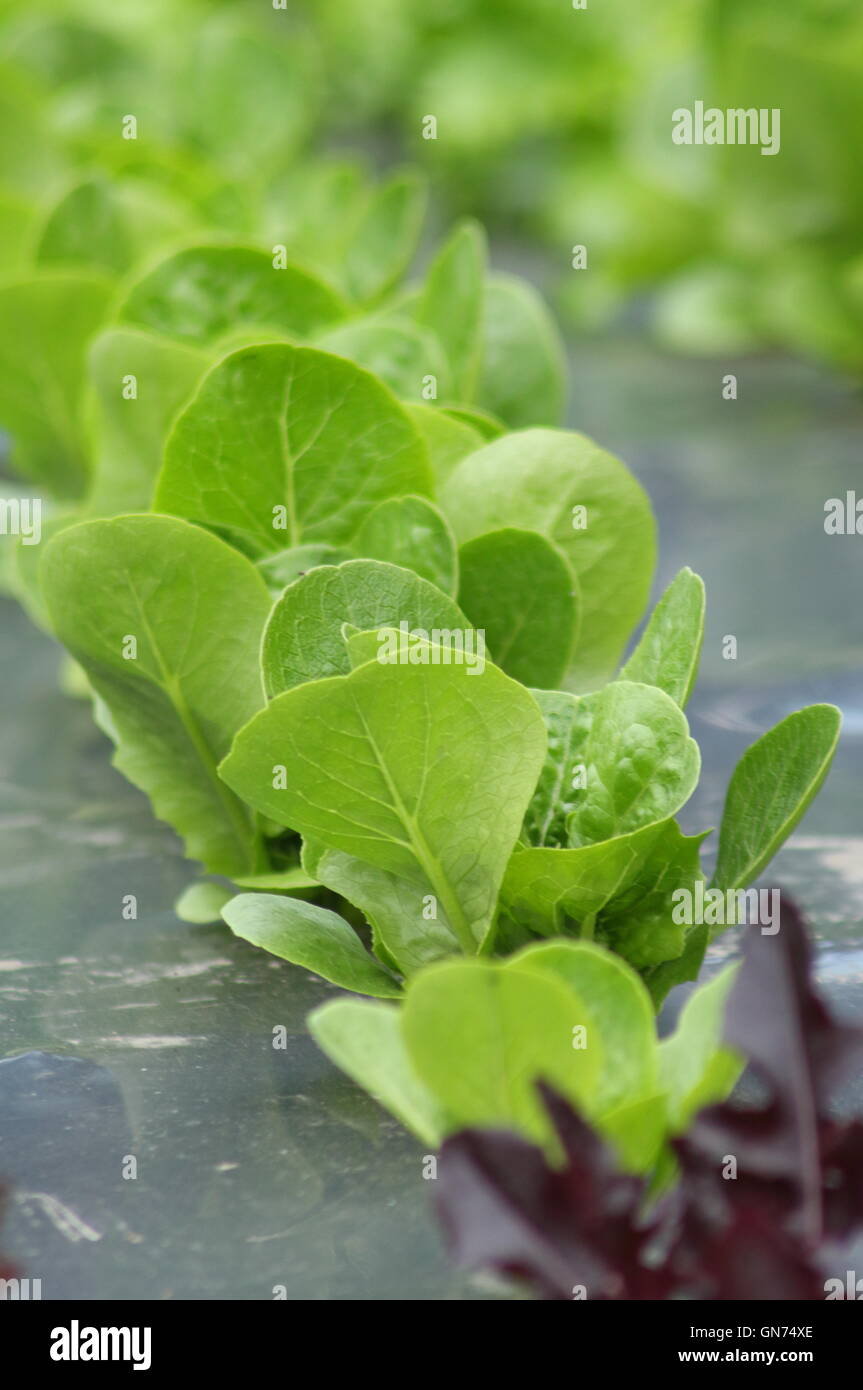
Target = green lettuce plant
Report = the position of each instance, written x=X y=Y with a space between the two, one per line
x=471 y=1038
x=373 y=758
x=566 y=804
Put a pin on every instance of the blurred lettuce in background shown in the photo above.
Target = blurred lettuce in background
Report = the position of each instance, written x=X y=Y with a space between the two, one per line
x=553 y=124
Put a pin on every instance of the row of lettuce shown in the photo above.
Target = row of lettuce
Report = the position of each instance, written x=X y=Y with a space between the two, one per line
x=483 y=841
x=281 y=476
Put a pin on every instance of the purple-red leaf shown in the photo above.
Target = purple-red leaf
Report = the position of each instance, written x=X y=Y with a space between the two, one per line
x=504 y=1207
x=764 y=1192
x=800 y=1054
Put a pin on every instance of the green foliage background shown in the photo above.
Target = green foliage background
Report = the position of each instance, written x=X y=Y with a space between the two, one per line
x=553 y=123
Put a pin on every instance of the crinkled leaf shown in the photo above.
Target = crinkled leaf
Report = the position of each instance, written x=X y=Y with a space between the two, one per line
x=629 y=745
x=641 y=921
x=641 y=765
x=550 y=891
x=555 y=795
x=681 y=969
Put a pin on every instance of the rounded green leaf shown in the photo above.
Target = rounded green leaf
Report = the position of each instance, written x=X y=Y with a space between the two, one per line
x=520 y=589
x=86 y=228
x=303 y=637
x=401 y=353
x=411 y=532
x=523 y=375
x=423 y=771
x=287 y=445
x=617 y=1010
x=204 y=292
x=202 y=903
x=480 y=1036
x=538 y=480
